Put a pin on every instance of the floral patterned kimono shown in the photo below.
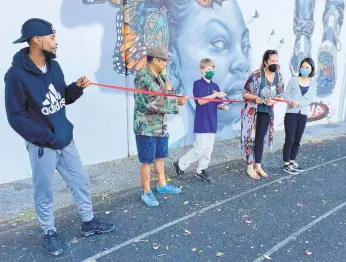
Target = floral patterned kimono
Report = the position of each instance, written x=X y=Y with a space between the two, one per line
x=249 y=115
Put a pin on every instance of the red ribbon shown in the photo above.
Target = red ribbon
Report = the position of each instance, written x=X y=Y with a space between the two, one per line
x=134 y=90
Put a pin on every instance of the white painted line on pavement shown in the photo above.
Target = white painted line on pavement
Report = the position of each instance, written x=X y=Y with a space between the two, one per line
x=203 y=210
x=299 y=232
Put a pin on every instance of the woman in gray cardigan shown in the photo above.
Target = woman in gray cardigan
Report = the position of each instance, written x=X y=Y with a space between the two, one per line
x=301 y=92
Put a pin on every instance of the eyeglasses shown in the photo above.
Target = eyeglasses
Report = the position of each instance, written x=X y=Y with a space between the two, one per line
x=164 y=60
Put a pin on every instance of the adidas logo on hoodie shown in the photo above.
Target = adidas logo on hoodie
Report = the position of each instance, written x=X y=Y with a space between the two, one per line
x=53 y=102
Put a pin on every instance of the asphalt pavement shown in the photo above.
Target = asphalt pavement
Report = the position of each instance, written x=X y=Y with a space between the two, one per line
x=281 y=218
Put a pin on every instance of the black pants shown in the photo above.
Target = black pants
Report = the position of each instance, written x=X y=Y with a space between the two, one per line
x=262 y=125
x=294 y=129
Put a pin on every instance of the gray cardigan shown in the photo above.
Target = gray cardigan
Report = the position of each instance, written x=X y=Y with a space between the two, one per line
x=293 y=93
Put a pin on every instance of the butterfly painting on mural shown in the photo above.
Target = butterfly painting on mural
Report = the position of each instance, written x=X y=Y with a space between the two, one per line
x=141 y=24
x=115 y=3
x=142 y=28
x=210 y=3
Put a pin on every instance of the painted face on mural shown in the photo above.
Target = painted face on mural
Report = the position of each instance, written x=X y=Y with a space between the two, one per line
x=216 y=36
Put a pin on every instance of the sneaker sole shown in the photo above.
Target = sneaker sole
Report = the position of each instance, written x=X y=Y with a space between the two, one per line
x=150 y=205
x=172 y=193
x=175 y=172
x=90 y=233
x=291 y=172
x=56 y=253
x=200 y=178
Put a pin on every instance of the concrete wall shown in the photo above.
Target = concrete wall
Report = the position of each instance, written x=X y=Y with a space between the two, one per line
x=234 y=33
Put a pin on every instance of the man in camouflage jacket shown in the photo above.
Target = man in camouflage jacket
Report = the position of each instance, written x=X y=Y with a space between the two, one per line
x=150 y=122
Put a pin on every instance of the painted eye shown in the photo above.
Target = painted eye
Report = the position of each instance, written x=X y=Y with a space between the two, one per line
x=246 y=49
x=220 y=44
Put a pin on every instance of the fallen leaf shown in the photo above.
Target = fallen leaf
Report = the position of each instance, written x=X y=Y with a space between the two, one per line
x=168 y=180
x=143 y=240
x=74 y=240
x=308 y=252
x=220 y=254
x=194 y=249
x=186 y=202
x=108 y=212
x=267 y=257
x=248 y=221
x=187 y=232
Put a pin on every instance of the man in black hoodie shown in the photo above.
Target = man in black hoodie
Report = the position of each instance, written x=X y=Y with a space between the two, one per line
x=35 y=99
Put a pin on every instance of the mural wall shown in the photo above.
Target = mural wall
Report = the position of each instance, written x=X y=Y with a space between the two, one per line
x=107 y=41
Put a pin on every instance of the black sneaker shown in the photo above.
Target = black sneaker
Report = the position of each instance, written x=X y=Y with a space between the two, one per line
x=204 y=176
x=289 y=169
x=178 y=172
x=296 y=167
x=52 y=243
x=96 y=226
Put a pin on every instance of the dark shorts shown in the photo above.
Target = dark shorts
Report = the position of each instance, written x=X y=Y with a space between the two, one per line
x=150 y=148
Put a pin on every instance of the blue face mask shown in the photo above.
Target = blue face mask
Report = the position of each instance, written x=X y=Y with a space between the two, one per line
x=305 y=72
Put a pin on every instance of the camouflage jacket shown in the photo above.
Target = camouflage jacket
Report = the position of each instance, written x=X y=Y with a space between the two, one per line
x=150 y=111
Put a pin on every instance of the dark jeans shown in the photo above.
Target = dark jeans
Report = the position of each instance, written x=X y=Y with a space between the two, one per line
x=262 y=125
x=294 y=129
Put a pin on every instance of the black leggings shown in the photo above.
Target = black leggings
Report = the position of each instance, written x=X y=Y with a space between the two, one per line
x=294 y=129
x=262 y=125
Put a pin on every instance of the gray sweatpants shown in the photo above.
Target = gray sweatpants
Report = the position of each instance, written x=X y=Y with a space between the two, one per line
x=200 y=152
x=44 y=162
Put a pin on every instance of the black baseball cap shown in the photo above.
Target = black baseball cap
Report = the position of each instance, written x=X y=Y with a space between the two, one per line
x=35 y=27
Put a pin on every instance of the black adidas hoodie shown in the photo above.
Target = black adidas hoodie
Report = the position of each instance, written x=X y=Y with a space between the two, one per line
x=35 y=102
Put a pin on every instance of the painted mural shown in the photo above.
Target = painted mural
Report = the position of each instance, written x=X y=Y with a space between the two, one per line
x=141 y=24
x=333 y=16
x=107 y=40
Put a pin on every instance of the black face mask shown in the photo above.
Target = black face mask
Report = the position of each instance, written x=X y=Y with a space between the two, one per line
x=48 y=54
x=273 y=68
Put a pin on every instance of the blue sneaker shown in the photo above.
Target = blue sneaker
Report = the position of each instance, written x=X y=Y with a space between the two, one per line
x=168 y=189
x=149 y=199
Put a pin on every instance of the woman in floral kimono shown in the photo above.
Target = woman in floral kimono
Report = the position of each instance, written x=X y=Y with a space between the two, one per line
x=257 y=123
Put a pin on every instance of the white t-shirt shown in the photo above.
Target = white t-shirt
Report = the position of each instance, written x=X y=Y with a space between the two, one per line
x=44 y=69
